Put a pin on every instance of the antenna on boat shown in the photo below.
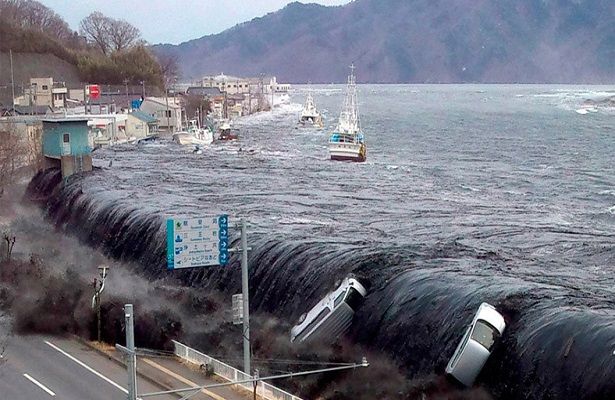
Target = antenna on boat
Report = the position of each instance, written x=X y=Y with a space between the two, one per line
x=351 y=78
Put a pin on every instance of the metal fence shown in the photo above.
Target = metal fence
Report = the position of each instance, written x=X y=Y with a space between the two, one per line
x=264 y=389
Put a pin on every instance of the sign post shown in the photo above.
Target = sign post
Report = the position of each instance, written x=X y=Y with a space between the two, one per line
x=199 y=242
x=246 y=303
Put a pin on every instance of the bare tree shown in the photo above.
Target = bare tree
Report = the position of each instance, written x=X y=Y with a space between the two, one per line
x=32 y=14
x=169 y=65
x=38 y=16
x=123 y=35
x=109 y=34
x=97 y=29
x=10 y=239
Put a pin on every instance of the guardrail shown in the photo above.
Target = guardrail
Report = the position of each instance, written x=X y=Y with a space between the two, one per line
x=264 y=389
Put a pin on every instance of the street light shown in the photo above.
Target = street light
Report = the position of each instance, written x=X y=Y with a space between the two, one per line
x=99 y=286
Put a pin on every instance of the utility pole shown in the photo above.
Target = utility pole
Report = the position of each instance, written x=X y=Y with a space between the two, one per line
x=166 y=97
x=246 y=302
x=127 y=98
x=12 y=84
x=245 y=314
x=271 y=86
x=96 y=299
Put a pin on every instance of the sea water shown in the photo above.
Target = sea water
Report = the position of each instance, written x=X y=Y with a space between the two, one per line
x=470 y=193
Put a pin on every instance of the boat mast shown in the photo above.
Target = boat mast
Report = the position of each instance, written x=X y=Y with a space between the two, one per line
x=350 y=108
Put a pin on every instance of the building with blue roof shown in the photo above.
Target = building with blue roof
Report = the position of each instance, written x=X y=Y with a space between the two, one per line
x=66 y=145
x=141 y=125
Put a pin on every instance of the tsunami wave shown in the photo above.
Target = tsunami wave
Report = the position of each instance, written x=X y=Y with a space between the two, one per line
x=558 y=342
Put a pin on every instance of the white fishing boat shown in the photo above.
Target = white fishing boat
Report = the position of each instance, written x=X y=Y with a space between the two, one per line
x=309 y=114
x=347 y=142
x=194 y=135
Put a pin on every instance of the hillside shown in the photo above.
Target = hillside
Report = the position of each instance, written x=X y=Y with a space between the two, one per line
x=391 y=41
x=43 y=45
x=26 y=65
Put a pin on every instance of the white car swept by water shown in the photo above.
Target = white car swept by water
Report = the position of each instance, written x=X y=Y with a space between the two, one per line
x=332 y=316
x=477 y=344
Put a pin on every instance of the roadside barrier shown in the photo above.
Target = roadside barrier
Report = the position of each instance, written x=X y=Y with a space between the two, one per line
x=211 y=365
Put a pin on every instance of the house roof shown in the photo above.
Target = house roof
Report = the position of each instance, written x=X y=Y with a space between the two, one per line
x=161 y=101
x=148 y=119
x=66 y=119
x=32 y=110
x=204 y=91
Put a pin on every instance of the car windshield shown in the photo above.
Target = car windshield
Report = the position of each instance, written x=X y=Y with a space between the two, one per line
x=354 y=298
x=485 y=334
x=338 y=299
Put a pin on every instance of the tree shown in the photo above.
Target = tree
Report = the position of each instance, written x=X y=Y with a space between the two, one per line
x=122 y=35
x=32 y=14
x=10 y=239
x=96 y=29
x=197 y=105
x=169 y=65
x=109 y=34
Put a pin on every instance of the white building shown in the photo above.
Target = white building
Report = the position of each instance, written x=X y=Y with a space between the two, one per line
x=141 y=125
x=167 y=111
x=43 y=92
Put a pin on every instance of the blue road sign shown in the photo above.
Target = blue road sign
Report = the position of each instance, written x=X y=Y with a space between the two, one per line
x=197 y=242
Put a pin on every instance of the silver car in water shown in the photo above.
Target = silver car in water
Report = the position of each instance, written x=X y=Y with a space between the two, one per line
x=476 y=345
x=332 y=316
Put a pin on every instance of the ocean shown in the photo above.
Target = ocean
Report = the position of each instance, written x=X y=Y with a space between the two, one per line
x=471 y=193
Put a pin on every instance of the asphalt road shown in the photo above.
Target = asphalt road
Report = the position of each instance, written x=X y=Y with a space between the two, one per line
x=45 y=368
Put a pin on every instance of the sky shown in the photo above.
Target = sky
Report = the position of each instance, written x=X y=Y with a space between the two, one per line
x=173 y=21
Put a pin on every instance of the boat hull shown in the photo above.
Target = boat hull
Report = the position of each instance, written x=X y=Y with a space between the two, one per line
x=228 y=136
x=347 y=151
x=187 y=138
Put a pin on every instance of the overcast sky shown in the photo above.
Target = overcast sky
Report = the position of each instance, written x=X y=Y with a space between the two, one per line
x=173 y=21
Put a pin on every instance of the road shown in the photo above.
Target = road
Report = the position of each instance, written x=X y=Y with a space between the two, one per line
x=44 y=368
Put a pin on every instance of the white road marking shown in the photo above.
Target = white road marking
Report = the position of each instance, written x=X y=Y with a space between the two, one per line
x=98 y=374
x=40 y=385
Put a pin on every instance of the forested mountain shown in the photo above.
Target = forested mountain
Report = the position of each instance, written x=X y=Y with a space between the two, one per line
x=491 y=41
x=37 y=42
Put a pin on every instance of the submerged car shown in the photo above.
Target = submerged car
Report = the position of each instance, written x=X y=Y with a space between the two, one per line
x=477 y=344
x=332 y=316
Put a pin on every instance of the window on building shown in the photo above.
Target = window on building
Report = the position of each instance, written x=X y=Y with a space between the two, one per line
x=66 y=138
x=45 y=87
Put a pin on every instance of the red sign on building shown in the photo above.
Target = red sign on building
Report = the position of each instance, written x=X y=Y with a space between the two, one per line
x=94 y=91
